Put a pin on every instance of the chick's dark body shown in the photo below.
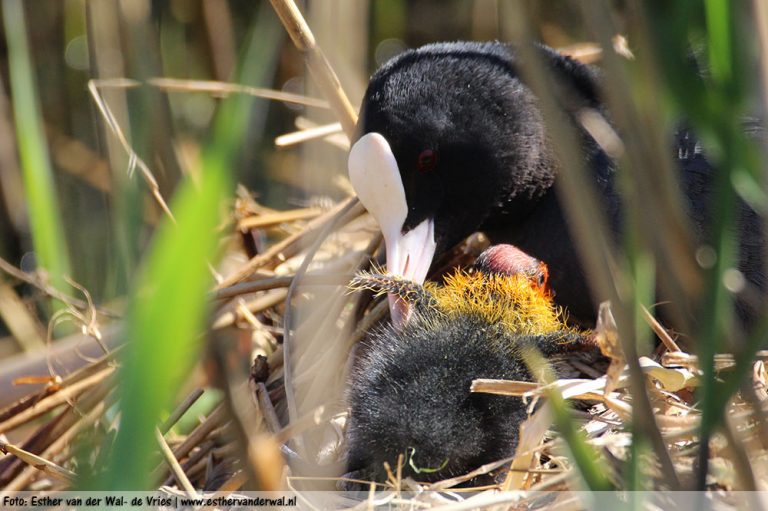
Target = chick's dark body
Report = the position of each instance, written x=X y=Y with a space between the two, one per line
x=410 y=394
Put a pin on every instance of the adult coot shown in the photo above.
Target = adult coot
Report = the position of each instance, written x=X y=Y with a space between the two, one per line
x=451 y=140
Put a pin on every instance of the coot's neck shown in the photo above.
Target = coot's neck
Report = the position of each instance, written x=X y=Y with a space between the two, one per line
x=507 y=222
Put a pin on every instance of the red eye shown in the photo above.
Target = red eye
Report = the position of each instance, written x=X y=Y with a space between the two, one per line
x=427 y=160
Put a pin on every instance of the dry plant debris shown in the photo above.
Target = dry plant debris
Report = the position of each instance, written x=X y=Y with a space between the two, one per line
x=52 y=420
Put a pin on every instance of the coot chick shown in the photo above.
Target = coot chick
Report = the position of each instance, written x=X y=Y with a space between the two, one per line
x=409 y=390
x=452 y=141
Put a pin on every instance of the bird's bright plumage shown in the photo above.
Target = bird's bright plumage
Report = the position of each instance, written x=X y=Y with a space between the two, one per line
x=513 y=301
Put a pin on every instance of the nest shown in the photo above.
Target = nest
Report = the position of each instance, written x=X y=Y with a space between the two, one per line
x=295 y=438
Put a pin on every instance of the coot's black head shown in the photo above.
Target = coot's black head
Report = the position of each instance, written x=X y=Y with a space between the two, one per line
x=448 y=135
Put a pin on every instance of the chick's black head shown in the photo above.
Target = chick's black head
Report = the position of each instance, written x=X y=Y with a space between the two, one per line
x=409 y=395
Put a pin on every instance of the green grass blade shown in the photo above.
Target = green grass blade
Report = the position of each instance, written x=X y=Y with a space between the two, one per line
x=44 y=213
x=713 y=103
x=168 y=306
x=718 y=19
x=166 y=319
x=586 y=458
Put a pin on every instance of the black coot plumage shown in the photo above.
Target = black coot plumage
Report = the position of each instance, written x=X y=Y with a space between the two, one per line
x=409 y=390
x=452 y=141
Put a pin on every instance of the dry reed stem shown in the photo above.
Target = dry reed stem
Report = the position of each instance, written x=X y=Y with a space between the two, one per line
x=280 y=217
x=52 y=401
x=453 y=481
x=35 y=280
x=267 y=409
x=318 y=64
x=197 y=454
x=23 y=326
x=225 y=88
x=225 y=450
x=586 y=53
x=305 y=135
x=93 y=368
x=103 y=393
x=181 y=410
x=173 y=463
x=22 y=480
x=114 y=127
x=531 y=435
x=723 y=361
x=39 y=463
x=338 y=140
x=504 y=387
x=660 y=331
x=214 y=420
x=195 y=440
x=258 y=304
x=196 y=471
x=252 y=286
x=288 y=247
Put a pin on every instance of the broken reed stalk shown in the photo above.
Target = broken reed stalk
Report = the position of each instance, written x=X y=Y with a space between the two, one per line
x=286 y=248
x=173 y=463
x=202 y=450
x=117 y=131
x=267 y=408
x=305 y=135
x=318 y=64
x=181 y=410
x=34 y=280
x=21 y=481
x=243 y=308
x=276 y=218
x=251 y=286
x=44 y=438
x=64 y=396
x=660 y=331
x=222 y=88
x=215 y=419
x=39 y=463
